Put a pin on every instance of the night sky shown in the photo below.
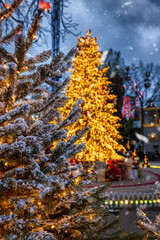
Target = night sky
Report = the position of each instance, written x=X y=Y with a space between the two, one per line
x=133 y=27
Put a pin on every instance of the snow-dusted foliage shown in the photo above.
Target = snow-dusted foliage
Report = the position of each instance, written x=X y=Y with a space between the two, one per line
x=38 y=200
x=151 y=229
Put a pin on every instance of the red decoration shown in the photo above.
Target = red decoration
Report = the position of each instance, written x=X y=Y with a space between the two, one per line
x=103 y=87
x=84 y=112
x=44 y=5
x=136 y=103
x=71 y=176
x=126 y=100
x=73 y=162
x=6 y=5
x=20 y=31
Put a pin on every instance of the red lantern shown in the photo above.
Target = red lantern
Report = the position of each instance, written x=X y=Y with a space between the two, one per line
x=6 y=5
x=103 y=87
x=44 y=5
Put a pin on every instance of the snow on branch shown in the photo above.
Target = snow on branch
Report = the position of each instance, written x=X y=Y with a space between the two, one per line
x=66 y=58
x=10 y=37
x=15 y=113
x=19 y=187
x=8 y=11
x=34 y=28
x=19 y=127
x=44 y=56
x=73 y=115
x=8 y=56
x=37 y=235
x=48 y=138
x=76 y=137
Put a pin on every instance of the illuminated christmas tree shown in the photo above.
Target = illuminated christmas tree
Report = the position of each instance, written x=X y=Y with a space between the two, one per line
x=87 y=82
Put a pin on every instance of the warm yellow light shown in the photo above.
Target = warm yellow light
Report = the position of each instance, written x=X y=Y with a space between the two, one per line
x=72 y=192
x=35 y=37
x=52 y=226
x=89 y=82
x=153 y=136
x=64 y=194
x=126 y=202
x=76 y=180
x=39 y=203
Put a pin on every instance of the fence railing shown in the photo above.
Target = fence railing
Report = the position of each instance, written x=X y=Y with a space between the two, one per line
x=117 y=200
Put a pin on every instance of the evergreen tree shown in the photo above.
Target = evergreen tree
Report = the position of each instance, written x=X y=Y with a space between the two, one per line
x=151 y=229
x=116 y=74
x=37 y=199
x=87 y=81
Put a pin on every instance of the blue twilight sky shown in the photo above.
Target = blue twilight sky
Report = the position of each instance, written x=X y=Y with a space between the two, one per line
x=133 y=27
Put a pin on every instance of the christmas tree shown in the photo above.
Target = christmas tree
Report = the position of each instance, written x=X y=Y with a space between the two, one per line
x=87 y=82
x=38 y=201
x=151 y=229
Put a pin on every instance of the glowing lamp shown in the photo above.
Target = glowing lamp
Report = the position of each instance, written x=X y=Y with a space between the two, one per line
x=6 y=5
x=121 y=202
x=106 y=202
x=153 y=136
x=44 y=5
x=64 y=194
